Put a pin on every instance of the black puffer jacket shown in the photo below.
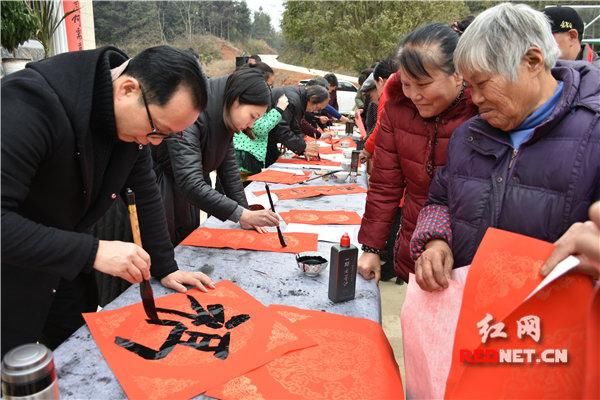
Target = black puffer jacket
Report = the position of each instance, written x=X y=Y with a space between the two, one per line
x=288 y=131
x=206 y=146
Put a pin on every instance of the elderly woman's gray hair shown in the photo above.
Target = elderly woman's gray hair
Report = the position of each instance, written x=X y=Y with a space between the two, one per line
x=499 y=37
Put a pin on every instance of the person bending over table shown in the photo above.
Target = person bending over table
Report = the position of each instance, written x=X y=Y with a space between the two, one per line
x=236 y=101
x=75 y=130
x=288 y=131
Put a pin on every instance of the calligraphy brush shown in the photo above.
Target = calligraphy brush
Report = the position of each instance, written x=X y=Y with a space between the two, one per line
x=316 y=141
x=145 y=287
x=320 y=176
x=279 y=234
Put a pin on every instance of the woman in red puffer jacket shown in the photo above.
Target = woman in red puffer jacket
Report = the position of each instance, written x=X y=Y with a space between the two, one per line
x=426 y=101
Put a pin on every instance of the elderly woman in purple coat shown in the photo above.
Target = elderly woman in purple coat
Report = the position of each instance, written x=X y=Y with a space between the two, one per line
x=529 y=162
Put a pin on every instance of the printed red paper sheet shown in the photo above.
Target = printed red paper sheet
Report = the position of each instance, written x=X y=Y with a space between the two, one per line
x=302 y=192
x=251 y=240
x=496 y=321
x=353 y=360
x=303 y=161
x=288 y=178
x=316 y=217
x=200 y=340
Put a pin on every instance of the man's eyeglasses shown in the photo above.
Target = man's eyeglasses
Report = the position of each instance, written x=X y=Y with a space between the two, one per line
x=156 y=134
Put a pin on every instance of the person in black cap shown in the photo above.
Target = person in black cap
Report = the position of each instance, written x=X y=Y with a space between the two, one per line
x=567 y=29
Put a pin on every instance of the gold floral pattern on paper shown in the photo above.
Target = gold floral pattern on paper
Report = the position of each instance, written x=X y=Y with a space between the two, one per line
x=504 y=273
x=304 y=217
x=292 y=316
x=241 y=388
x=322 y=372
x=109 y=323
x=162 y=387
x=280 y=335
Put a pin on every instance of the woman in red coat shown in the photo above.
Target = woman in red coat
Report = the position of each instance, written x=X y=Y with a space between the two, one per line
x=426 y=101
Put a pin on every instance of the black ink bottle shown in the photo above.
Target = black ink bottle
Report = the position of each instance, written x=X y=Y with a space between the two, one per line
x=342 y=270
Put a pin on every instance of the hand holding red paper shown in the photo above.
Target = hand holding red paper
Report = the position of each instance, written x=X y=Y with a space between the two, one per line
x=582 y=240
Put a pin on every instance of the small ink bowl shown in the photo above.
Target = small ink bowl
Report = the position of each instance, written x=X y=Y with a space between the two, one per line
x=341 y=176
x=311 y=263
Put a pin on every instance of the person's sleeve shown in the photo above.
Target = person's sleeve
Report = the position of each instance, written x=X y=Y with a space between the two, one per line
x=288 y=133
x=186 y=160
x=29 y=115
x=229 y=176
x=386 y=188
x=151 y=215
x=267 y=122
x=370 y=143
x=308 y=129
x=358 y=100
x=332 y=112
x=433 y=223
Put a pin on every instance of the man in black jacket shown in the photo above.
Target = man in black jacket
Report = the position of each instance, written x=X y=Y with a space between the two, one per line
x=75 y=130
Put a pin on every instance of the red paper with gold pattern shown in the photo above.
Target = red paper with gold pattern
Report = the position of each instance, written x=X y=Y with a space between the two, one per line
x=186 y=372
x=303 y=161
x=353 y=360
x=350 y=144
x=271 y=176
x=251 y=240
x=504 y=272
x=302 y=192
x=314 y=217
x=328 y=150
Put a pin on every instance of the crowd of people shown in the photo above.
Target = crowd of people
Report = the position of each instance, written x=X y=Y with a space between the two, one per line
x=493 y=121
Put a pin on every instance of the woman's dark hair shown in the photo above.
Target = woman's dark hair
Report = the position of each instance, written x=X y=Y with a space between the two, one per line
x=316 y=94
x=364 y=74
x=332 y=79
x=385 y=68
x=248 y=86
x=317 y=81
x=162 y=70
x=262 y=67
x=460 y=26
x=255 y=57
x=430 y=46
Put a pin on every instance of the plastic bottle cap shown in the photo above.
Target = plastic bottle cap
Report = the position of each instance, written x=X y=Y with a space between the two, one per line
x=345 y=240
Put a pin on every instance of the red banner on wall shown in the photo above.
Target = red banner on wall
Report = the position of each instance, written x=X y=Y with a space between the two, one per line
x=73 y=25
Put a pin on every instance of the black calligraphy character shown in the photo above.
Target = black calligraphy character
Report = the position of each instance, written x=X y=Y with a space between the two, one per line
x=213 y=318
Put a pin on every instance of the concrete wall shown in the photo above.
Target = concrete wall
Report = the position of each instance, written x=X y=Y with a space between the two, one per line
x=87 y=24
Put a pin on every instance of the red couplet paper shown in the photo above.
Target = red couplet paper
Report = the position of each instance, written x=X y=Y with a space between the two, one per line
x=302 y=192
x=251 y=240
x=288 y=178
x=353 y=360
x=73 y=25
x=329 y=150
x=205 y=338
x=302 y=161
x=547 y=327
x=314 y=217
